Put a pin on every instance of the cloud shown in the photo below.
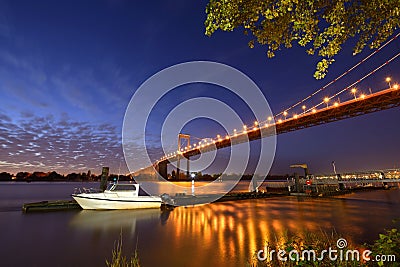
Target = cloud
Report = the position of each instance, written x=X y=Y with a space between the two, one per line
x=46 y=144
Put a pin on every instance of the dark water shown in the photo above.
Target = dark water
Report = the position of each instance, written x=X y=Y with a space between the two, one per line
x=220 y=234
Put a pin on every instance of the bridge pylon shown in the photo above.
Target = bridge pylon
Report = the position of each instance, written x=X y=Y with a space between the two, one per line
x=180 y=138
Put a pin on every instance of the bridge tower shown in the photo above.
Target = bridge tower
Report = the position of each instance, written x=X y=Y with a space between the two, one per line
x=180 y=138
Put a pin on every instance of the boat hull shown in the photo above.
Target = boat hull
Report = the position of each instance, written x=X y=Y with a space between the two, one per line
x=100 y=202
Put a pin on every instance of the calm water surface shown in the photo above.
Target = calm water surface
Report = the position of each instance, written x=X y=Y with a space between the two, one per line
x=220 y=234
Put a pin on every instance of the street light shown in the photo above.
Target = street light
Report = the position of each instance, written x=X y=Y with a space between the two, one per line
x=304 y=108
x=285 y=114
x=326 y=100
x=388 y=79
x=354 y=91
x=395 y=86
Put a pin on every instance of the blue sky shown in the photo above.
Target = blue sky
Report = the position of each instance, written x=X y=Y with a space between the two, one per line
x=69 y=68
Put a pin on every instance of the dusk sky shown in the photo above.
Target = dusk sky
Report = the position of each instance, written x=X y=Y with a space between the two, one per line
x=68 y=70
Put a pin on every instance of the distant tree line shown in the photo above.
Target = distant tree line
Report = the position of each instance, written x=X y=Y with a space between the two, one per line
x=56 y=177
x=89 y=177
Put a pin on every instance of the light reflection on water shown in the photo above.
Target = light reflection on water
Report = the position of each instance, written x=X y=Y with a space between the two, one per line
x=219 y=234
x=229 y=233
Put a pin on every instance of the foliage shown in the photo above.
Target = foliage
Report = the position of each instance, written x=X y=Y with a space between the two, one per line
x=387 y=244
x=321 y=26
x=317 y=241
x=119 y=260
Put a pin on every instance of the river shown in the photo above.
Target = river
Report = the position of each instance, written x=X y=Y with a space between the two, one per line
x=218 y=234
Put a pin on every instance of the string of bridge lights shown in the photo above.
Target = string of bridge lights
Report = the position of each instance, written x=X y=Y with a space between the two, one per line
x=273 y=120
x=206 y=142
x=285 y=111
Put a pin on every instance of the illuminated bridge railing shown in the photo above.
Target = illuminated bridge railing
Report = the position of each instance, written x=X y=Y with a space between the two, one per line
x=381 y=100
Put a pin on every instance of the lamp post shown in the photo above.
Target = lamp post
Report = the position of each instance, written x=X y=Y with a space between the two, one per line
x=388 y=79
x=354 y=91
x=326 y=100
x=192 y=175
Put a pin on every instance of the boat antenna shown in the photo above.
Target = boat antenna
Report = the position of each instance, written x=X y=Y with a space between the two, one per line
x=119 y=172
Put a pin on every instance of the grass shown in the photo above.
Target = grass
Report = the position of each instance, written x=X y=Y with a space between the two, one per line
x=387 y=244
x=120 y=260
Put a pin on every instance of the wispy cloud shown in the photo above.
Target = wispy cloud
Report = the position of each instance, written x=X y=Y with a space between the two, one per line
x=45 y=144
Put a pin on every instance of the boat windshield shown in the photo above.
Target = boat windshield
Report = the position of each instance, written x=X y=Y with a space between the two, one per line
x=122 y=187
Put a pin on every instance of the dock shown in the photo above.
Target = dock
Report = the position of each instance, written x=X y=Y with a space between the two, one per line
x=57 y=205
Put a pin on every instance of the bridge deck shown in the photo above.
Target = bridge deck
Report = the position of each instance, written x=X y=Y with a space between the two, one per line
x=381 y=100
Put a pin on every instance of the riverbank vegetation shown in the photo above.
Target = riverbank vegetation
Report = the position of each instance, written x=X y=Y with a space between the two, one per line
x=387 y=244
x=118 y=259
x=56 y=177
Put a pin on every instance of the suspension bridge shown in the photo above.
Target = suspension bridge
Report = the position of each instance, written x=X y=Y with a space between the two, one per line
x=346 y=103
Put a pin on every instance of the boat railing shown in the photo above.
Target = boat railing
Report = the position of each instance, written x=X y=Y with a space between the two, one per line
x=81 y=190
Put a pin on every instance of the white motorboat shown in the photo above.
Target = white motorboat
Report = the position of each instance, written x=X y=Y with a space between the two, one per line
x=117 y=196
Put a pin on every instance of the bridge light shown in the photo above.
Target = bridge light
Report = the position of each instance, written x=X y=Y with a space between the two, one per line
x=194 y=145
x=295 y=116
x=354 y=91
x=395 y=86
x=326 y=100
x=256 y=123
x=336 y=104
x=266 y=125
x=388 y=79
x=227 y=137
x=314 y=110
x=285 y=113
x=244 y=127
x=280 y=120
x=362 y=96
x=269 y=118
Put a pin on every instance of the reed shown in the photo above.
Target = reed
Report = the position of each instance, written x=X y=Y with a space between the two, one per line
x=118 y=259
x=387 y=244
